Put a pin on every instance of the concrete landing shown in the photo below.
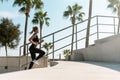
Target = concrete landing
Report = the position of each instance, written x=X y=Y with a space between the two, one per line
x=65 y=70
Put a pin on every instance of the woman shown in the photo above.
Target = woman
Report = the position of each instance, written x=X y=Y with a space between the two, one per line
x=33 y=50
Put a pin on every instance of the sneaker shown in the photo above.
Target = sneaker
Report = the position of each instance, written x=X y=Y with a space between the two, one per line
x=35 y=62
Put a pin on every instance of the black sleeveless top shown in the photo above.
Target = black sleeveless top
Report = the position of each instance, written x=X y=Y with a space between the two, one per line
x=36 y=39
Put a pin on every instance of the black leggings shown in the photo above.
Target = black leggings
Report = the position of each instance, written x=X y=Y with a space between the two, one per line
x=33 y=50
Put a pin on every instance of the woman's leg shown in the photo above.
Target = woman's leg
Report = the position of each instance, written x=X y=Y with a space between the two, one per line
x=41 y=53
x=33 y=58
x=31 y=65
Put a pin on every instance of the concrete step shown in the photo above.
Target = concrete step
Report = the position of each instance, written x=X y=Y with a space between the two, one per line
x=100 y=41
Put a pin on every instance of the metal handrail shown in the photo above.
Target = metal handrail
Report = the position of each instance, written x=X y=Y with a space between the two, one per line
x=96 y=24
x=62 y=29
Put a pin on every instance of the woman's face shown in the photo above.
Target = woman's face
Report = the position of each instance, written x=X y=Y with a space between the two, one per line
x=36 y=31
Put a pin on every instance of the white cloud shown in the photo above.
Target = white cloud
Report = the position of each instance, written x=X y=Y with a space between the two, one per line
x=9 y=14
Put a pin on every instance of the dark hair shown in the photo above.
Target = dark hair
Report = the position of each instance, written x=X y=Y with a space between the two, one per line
x=34 y=29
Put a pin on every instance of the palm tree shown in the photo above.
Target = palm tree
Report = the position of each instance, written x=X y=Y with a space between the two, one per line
x=74 y=12
x=41 y=18
x=115 y=6
x=9 y=34
x=26 y=6
x=48 y=46
x=67 y=54
x=3 y=0
x=88 y=25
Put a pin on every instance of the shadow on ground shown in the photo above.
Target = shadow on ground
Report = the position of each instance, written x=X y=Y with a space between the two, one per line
x=113 y=66
x=53 y=63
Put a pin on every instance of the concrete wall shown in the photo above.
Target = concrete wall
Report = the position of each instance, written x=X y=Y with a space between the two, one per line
x=108 y=51
x=78 y=55
x=11 y=64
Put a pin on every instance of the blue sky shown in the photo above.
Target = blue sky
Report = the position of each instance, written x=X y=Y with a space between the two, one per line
x=55 y=9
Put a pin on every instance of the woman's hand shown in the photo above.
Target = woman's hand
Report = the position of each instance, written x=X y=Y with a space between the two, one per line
x=36 y=43
x=41 y=41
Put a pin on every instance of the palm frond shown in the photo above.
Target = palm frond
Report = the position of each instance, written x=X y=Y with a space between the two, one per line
x=35 y=21
x=113 y=4
x=66 y=14
x=70 y=10
x=19 y=2
x=47 y=21
x=22 y=10
x=42 y=17
x=74 y=13
x=38 y=4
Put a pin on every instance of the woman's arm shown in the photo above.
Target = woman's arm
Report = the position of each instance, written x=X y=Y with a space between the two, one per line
x=40 y=41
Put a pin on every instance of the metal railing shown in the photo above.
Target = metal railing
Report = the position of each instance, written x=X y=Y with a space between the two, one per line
x=61 y=39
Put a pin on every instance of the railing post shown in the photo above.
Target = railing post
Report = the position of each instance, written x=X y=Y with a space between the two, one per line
x=76 y=36
x=114 y=25
x=97 y=29
x=19 y=58
x=59 y=56
x=53 y=47
x=27 y=57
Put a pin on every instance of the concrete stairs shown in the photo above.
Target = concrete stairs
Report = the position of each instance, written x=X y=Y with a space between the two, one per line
x=105 y=50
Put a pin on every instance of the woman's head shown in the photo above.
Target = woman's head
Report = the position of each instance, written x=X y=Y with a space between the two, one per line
x=34 y=29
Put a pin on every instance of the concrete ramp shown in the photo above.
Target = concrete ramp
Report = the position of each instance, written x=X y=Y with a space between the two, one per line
x=65 y=70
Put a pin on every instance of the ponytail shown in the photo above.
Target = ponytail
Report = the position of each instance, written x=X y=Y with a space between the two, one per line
x=34 y=29
x=31 y=32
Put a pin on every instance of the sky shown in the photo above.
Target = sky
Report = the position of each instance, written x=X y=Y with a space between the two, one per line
x=55 y=9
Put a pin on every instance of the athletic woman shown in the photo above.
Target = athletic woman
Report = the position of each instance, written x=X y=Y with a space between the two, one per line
x=33 y=48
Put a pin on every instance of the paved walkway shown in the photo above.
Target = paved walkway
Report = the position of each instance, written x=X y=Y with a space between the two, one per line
x=66 y=70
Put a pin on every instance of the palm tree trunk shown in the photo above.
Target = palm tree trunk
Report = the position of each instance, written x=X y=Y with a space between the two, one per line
x=6 y=49
x=88 y=26
x=40 y=37
x=25 y=33
x=47 y=53
x=6 y=67
x=76 y=36
x=40 y=33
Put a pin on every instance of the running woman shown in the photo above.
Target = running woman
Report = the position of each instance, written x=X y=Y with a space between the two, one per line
x=34 y=40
